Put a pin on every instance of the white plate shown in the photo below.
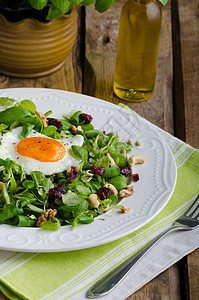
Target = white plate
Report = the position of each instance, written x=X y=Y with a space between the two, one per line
x=152 y=191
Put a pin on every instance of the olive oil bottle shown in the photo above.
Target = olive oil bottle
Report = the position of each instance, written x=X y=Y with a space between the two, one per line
x=137 y=50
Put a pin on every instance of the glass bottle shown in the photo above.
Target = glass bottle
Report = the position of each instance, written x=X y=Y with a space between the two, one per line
x=137 y=50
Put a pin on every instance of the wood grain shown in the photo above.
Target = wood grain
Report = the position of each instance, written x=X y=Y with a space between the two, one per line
x=165 y=286
x=189 y=32
x=101 y=47
x=189 y=37
x=178 y=84
x=192 y=275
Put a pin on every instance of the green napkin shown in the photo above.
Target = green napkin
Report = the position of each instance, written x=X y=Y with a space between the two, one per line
x=68 y=275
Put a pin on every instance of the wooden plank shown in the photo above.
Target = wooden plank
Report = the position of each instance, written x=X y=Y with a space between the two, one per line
x=165 y=286
x=189 y=24
x=101 y=46
x=178 y=85
x=193 y=275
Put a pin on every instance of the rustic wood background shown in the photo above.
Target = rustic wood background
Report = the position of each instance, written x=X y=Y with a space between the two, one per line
x=89 y=69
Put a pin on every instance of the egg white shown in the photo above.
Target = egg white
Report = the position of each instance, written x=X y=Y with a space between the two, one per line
x=10 y=140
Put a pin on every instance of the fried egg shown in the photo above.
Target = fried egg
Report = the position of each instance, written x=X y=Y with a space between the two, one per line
x=38 y=152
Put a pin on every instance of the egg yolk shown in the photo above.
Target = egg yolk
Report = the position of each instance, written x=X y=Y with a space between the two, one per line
x=41 y=148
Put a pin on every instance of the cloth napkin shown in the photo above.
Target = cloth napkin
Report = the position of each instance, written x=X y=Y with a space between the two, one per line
x=68 y=275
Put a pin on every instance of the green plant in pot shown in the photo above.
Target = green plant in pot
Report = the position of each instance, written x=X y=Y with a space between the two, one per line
x=31 y=27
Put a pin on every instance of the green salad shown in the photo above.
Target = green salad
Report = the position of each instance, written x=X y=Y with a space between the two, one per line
x=99 y=178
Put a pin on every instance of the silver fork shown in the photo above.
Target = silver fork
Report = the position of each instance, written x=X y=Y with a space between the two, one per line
x=188 y=221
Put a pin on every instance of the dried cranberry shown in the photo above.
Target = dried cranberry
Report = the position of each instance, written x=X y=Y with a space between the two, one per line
x=61 y=188
x=135 y=177
x=103 y=193
x=58 y=191
x=55 y=192
x=74 y=172
x=55 y=123
x=100 y=170
x=94 y=169
x=85 y=118
x=125 y=170
x=73 y=175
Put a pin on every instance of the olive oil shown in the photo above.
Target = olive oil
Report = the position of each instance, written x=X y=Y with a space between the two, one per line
x=137 y=50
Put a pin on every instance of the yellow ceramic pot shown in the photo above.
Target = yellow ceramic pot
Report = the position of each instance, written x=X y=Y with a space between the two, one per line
x=30 y=48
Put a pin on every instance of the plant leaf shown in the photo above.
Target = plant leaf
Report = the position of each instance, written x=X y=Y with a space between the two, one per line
x=74 y=119
x=13 y=114
x=75 y=2
x=50 y=131
x=63 y=5
x=119 y=182
x=29 y=105
x=102 y=5
x=51 y=225
x=71 y=199
x=80 y=152
x=6 y=101
x=34 y=120
x=53 y=13
x=164 y=2
x=83 y=190
x=10 y=211
x=38 y=4
x=26 y=129
x=112 y=172
x=23 y=221
x=87 y=2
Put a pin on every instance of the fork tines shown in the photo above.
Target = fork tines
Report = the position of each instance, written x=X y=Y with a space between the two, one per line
x=193 y=211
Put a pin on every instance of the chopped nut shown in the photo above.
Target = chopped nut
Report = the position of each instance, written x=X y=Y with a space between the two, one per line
x=130 y=142
x=112 y=188
x=93 y=200
x=124 y=152
x=1 y=186
x=46 y=216
x=73 y=128
x=127 y=191
x=112 y=162
x=125 y=210
x=43 y=118
x=138 y=143
x=80 y=129
x=136 y=159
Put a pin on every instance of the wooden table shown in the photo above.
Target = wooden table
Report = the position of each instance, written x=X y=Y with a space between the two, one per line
x=89 y=69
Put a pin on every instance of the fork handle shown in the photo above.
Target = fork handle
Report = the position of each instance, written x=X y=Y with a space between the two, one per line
x=109 y=281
